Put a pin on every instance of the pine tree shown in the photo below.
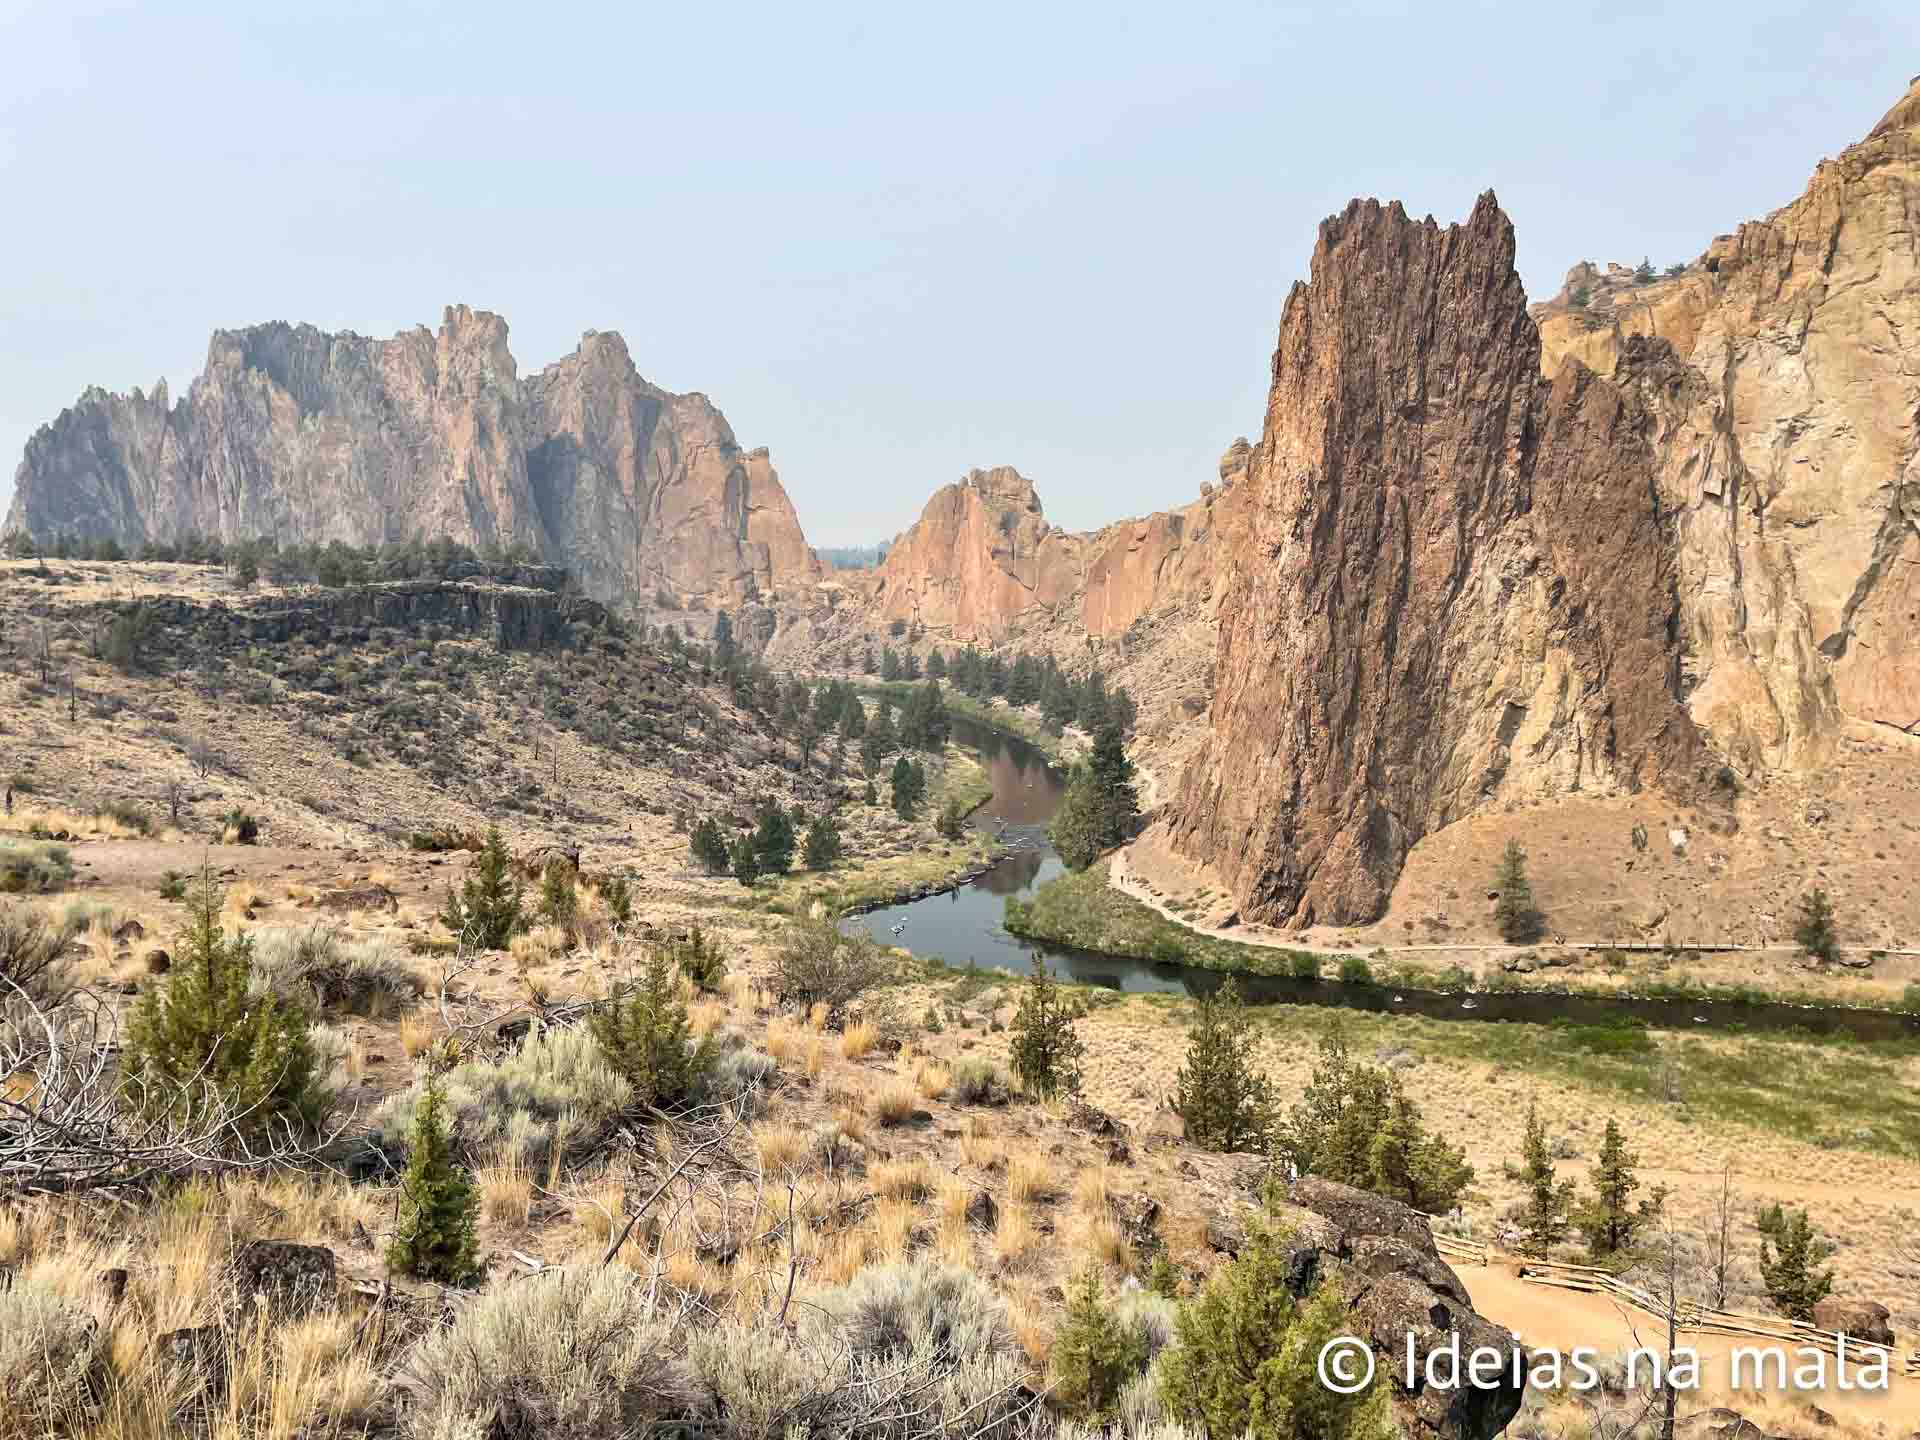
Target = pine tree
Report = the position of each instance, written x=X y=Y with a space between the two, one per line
x=1220 y=1093
x=559 y=900
x=1814 y=933
x=724 y=650
x=434 y=1239
x=487 y=911
x=908 y=783
x=823 y=844
x=1094 y=1355
x=207 y=1039
x=1046 y=1049
x=1543 y=1220
x=709 y=845
x=1113 y=776
x=744 y=860
x=773 y=841
x=869 y=796
x=1610 y=1219
x=1078 y=828
x=644 y=1029
x=1790 y=1256
x=1517 y=917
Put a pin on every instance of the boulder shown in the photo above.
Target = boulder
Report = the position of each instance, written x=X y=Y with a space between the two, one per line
x=281 y=1277
x=1855 y=1318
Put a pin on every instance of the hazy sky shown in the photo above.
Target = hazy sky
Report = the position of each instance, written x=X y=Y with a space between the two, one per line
x=890 y=241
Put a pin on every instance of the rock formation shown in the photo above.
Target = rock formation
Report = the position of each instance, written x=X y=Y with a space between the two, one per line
x=306 y=437
x=1790 y=450
x=1453 y=586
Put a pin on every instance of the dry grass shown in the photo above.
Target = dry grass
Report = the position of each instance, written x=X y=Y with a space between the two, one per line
x=983 y=1149
x=242 y=899
x=894 y=1223
x=1103 y=1240
x=416 y=1034
x=933 y=1080
x=816 y=1058
x=895 y=1102
x=858 y=1040
x=81 y=827
x=1029 y=1178
x=846 y=1255
x=1030 y=1328
x=817 y=1016
x=506 y=1193
x=1090 y=1191
x=705 y=1016
x=1014 y=1235
x=901 y=1179
x=853 y=1122
x=785 y=1041
x=782 y=1148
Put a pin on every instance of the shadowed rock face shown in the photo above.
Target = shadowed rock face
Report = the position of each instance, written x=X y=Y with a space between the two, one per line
x=1452 y=585
x=309 y=437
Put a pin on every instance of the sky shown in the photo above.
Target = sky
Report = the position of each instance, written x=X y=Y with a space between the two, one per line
x=891 y=242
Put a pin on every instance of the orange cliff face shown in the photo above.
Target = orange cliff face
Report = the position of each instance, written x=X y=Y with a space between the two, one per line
x=309 y=437
x=1789 y=453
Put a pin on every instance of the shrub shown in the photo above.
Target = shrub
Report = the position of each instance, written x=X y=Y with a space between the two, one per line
x=487 y=911
x=239 y=828
x=558 y=1093
x=644 y=1031
x=709 y=847
x=617 y=895
x=1046 y=1049
x=559 y=900
x=1814 y=932
x=31 y=950
x=1094 y=1354
x=571 y=1353
x=208 y=1030
x=978 y=1082
x=700 y=960
x=1224 y=1099
x=1244 y=1354
x=127 y=813
x=34 y=867
x=744 y=860
x=824 y=846
x=173 y=885
x=1910 y=998
x=366 y=977
x=817 y=964
x=1355 y=1125
x=1790 y=1257
x=951 y=824
x=738 y=1073
x=1355 y=971
x=1305 y=965
x=52 y=1356
x=434 y=1236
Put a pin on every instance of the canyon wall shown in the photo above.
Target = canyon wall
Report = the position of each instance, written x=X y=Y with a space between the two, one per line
x=1454 y=584
x=308 y=437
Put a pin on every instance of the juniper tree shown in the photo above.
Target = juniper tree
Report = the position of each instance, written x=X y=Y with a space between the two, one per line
x=1046 y=1050
x=1814 y=932
x=1790 y=1256
x=773 y=841
x=434 y=1238
x=744 y=860
x=1220 y=1092
x=1610 y=1219
x=1543 y=1219
x=823 y=844
x=1095 y=1354
x=644 y=1029
x=709 y=846
x=1517 y=917
x=487 y=912
x=206 y=1038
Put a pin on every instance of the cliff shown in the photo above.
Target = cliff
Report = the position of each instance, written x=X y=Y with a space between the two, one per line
x=309 y=437
x=1788 y=450
x=1454 y=585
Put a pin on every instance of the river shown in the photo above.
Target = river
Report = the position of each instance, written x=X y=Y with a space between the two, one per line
x=963 y=927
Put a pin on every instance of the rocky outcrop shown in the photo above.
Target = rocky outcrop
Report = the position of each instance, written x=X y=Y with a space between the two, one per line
x=1453 y=587
x=308 y=437
x=1789 y=452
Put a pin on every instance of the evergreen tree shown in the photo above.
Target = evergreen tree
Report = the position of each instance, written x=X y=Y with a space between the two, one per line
x=559 y=900
x=1543 y=1219
x=724 y=650
x=1078 y=828
x=1790 y=1256
x=924 y=724
x=1610 y=1219
x=487 y=911
x=936 y=665
x=1244 y=1356
x=644 y=1029
x=889 y=664
x=908 y=786
x=744 y=860
x=869 y=796
x=1517 y=917
x=1094 y=1355
x=1112 y=775
x=853 y=720
x=1814 y=933
x=1046 y=1049
x=434 y=1238
x=709 y=846
x=773 y=841
x=866 y=661
x=207 y=1039
x=823 y=843
x=1220 y=1092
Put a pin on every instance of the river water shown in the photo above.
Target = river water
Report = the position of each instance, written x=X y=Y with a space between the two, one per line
x=963 y=927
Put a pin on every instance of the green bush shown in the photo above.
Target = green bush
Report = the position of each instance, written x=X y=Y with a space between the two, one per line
x=1790 y=1258
x=434 y=1233
x=239 y=828
x=1095 y=1355
x=1303 y=965
x=644 y=1031
x=1814 y=932
x=34 y=867
x=487 y=912
x=1244 y=1355
x=978 y=1082
x=817 y=964
x=559 y=899
x=209 y=1030
x=173 y=885
x=365 y=977
x=1354 y=970
x=699 y=958
x=1046 y=1049
x=709 y=847
x=1220 y=1093
x=130 y=815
